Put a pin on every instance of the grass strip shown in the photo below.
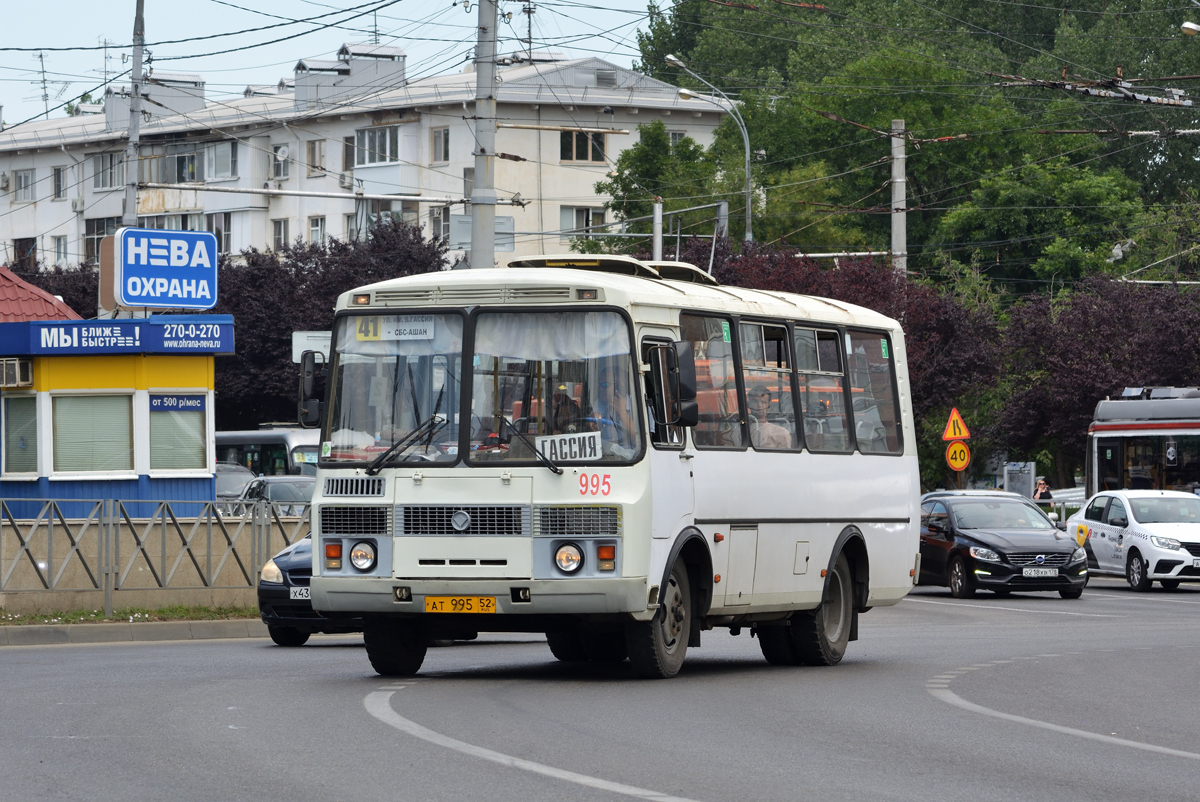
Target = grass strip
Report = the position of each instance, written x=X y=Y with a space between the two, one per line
x=130 y=615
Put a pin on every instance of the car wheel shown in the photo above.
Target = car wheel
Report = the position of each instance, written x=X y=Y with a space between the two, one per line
x=1169 y=584
x=962 y=584
x=820 y=637
x=777 y=646
x=395 y=648
x=1071 y=593
x=287 y=636
x=1136 y=573
x=657 y=647
x=567 y=646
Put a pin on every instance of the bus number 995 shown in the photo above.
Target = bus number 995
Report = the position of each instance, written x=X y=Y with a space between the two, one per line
x=594 y=484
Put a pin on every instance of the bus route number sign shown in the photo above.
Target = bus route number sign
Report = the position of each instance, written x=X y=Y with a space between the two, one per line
x=958 y=456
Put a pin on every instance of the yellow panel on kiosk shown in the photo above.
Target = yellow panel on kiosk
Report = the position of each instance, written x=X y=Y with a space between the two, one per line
x=122 y=371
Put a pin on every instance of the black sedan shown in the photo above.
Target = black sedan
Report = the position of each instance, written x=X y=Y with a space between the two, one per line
x=284 y=603
x=999 y=542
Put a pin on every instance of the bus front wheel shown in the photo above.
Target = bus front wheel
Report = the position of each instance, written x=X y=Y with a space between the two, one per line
x=395 y=648
x=657 y=647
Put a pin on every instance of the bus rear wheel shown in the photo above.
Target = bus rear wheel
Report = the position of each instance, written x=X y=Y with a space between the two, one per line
x=820 y=636
x=395 y=648
x=657 y=647
x=777 y=647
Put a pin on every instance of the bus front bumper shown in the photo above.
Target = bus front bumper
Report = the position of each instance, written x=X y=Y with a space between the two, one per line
x=582 y=596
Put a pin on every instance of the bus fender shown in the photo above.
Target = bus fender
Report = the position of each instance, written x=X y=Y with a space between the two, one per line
x=691 y=544
x=854 y=545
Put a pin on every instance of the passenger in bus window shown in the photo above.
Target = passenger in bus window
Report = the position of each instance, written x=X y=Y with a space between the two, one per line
x=763 y=433
x=614 y=413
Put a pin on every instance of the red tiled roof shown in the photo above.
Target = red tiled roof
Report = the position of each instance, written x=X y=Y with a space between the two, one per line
x=20 y=300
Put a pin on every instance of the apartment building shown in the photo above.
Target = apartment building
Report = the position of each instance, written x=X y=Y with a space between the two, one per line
x=354 y=122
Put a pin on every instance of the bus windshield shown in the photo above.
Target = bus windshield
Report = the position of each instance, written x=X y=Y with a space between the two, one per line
x=396 y=374
x=1166 y=510
x=564 y=379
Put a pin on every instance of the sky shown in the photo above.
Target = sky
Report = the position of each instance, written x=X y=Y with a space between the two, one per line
x=437 y=35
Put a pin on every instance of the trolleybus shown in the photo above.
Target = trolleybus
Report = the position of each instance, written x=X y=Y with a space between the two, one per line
x=1147 y=439
x=619 y=456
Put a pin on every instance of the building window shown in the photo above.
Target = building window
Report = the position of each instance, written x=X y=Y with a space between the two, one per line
x=351 y=227
x=279 y=234
x=25 y=252
x=316 y=230
x=439 y=222
x=20 y=434
x=222 y=161
x=577 y=146
x=181 y=168
x=60 y=251
x=108 y=171
x=677 y=137
x=95 y=230
x=60 y=183
x=93 y=433
x=347 y=154
x=174 y=222
x=177 y=432
x=220 y=224
x=572 y=218
x=280 y=164
x=441 y=144
x=377 y=145
x=315 y=156
x=23 y=185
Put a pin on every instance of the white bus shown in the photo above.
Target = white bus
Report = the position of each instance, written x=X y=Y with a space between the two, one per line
x=613 y=456
x=1147 y=439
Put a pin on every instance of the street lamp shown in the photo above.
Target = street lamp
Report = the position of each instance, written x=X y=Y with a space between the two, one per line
x=687 y=94
x=1190 y=28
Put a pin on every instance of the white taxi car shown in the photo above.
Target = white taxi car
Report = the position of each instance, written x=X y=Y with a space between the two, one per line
x=1145 y=535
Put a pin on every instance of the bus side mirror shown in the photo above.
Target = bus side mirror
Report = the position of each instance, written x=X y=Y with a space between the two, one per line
x=309 y=409
x=673 y=371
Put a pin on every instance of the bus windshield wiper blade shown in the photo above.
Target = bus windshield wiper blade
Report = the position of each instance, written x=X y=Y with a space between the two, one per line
x=432 y=424
x=542 y=458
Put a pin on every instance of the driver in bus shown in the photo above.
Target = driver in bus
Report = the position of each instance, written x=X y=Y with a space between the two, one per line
x=613 y=412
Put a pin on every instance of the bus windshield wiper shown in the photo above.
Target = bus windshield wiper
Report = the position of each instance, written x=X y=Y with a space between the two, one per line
x=429 y=426
x=542 y=458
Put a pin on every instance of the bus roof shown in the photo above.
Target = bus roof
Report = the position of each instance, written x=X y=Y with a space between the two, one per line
x=541 y=280
x=1135 y=409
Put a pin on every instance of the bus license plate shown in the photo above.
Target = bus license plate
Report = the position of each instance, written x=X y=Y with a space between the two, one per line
x=460 y=604
x=1039 y=572
x=299 y=593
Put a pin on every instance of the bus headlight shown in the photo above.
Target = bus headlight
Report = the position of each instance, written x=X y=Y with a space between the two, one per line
x=362 y=556
x=568 y=558
x=271 y=573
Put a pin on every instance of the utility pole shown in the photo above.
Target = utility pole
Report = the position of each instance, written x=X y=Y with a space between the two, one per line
x=527 y=10
x=45 y=95
x=899 y=200
x=483 y=195
x=129 y=218
x=658 y=229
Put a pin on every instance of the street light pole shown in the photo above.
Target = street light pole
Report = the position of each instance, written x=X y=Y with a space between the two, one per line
x=737 y=118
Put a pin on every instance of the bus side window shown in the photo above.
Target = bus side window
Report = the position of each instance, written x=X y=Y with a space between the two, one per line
x=766 y=373
x=716 y=382
x=822 y=390
x=660 y=436
x=873 y=394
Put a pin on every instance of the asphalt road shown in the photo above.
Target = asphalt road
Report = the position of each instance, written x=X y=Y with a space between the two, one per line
x=1030 y=697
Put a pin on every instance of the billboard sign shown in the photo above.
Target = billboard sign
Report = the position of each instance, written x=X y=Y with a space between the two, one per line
x=160 y=269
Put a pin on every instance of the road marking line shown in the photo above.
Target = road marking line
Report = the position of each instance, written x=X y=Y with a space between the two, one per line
x=950 y=697
x=1140 y=598
x=1013 y=609
x=378 y=704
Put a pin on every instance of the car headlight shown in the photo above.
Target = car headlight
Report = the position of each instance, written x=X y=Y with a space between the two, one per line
x=568 y=558
x=1169 y=543
x=362 y=556
x=980 y=553
x=1078 y=554
x=271 y=573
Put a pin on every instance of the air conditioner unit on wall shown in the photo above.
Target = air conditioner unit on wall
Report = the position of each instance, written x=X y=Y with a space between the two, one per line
x=3 y=180
x=16 y=373
x=77 y=205
x=346 y=180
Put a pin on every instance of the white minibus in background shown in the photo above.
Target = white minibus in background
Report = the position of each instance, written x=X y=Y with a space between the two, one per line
x=270 y=451
x=617 y=457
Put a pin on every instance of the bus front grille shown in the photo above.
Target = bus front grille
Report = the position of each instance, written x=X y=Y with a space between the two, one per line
x=354 y=486
x=577 y=521
x=477 y=521
x=354 y=521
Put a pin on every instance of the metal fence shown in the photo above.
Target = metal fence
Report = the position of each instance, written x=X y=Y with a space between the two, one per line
x=115 y=545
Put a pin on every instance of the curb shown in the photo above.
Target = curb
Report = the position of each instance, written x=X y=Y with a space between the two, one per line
x=38 y=635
